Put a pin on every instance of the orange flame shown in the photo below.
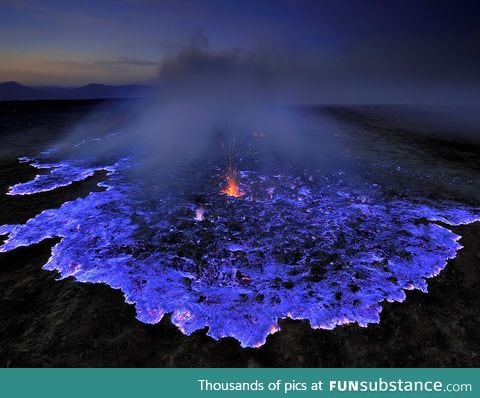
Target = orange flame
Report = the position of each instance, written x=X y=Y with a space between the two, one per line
x=232 y=188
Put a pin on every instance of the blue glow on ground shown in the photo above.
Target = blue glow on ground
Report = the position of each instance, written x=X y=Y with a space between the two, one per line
x=306 y=246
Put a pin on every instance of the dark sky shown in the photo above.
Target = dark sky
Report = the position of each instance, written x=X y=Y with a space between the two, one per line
x=344 y=46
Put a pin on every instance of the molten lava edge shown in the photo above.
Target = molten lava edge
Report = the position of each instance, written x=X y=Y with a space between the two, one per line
x=300 y=246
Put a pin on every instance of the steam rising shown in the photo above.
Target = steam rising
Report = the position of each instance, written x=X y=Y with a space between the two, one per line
x=204 y=99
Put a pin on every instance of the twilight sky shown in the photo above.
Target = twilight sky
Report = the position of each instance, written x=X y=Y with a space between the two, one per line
x=347 y=46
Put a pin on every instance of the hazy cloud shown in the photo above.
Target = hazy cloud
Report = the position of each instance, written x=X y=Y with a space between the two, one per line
x=128 y=61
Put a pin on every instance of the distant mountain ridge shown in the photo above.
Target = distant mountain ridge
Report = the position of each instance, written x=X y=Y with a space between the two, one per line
x=11 y=91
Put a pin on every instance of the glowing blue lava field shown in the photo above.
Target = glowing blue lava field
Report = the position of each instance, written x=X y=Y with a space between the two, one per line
x=302 y=244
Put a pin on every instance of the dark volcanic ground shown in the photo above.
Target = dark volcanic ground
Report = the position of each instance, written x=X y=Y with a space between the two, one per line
x=44 y=322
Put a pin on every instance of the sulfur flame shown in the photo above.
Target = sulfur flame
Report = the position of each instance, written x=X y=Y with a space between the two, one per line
x=199 y=214
x=232 y=188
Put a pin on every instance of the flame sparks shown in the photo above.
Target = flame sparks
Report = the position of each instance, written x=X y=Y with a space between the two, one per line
x=232 y=188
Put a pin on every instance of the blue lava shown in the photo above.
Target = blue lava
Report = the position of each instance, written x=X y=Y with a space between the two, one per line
x=59 y=175
x=313 y=247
